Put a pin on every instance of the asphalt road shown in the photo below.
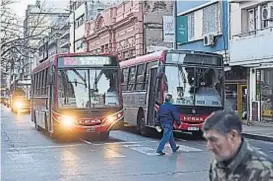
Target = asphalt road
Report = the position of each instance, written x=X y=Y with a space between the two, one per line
x=29 y=155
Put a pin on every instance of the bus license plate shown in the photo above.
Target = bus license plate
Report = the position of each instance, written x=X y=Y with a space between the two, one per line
x=193 y=128
x=90 y=129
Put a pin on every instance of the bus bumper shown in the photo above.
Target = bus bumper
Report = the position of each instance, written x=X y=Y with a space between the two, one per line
x=186 y=127
x=118 y=124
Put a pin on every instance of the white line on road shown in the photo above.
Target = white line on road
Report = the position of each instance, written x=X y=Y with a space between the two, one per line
x=120 y=143
x=187 y=148
x=180 y=139
x=44 y=147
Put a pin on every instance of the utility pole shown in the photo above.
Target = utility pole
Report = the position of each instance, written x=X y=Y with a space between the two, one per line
x=175 y=22
x=74 y=32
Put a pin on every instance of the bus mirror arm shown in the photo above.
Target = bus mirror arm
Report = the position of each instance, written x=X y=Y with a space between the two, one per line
x=122 y=77
x=50 y=80
x=159 y=75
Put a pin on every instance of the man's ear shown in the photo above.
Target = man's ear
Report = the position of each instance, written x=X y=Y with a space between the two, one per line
x=233 y=134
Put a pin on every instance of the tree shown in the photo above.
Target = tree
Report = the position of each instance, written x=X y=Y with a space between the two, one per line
x=19 y=37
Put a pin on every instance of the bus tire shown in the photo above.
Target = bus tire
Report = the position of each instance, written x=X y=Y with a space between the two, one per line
x=141 y=124
x=38 y=128
x=104 y=136
x=55 y=134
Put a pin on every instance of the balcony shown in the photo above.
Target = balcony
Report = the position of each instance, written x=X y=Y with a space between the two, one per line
x=64 y=43
x=65 y=33
x=251 y=48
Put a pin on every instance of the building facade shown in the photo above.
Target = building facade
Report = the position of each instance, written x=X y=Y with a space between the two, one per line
x=207 y=26
x=80 y=13
x=129 y=29
x=251 y=42
x=207 y=29
x=37 y=24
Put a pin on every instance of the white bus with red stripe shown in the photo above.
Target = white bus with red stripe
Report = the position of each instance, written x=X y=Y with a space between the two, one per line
x=194 y=78
x=78 y=92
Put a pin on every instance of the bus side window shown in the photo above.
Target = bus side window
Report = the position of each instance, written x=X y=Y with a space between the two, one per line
x=125 y=83
x=132 y=78
x=140 y=77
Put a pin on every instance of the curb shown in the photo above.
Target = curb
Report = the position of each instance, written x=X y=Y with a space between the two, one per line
x=258 y=137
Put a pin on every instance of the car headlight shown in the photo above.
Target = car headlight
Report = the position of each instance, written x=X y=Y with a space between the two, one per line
x=18 y=104
x=67 y=121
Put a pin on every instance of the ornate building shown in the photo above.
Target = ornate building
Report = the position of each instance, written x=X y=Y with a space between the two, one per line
x=130 y=29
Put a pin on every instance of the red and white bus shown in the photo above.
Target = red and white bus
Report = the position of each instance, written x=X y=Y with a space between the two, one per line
x=78 y=92
x=194 y=78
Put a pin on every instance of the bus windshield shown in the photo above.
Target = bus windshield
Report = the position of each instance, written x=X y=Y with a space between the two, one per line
x=194 y=85
x=88 y=88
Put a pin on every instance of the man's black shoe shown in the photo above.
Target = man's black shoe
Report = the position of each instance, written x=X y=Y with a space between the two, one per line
x=160 y=153
x=176 y=149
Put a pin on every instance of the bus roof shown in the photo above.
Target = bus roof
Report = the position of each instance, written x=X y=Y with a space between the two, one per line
x=142 y=59
x=160 y=54
x=50 y=60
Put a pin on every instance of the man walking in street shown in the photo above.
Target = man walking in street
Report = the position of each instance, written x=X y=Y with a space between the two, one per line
x=166 y=116
x=233 y=159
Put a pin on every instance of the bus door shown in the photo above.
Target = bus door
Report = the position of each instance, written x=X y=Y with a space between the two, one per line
x=50 y=99
x=152 y=96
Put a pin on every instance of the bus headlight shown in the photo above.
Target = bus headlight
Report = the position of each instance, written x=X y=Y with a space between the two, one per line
x=18 y=104
x=111 y=118
x=67 y=121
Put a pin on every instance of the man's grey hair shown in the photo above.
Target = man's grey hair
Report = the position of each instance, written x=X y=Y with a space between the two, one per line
x=223 y=122
x=168 y=97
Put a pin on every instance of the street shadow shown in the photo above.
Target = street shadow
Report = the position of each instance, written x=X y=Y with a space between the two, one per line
x=152 y=133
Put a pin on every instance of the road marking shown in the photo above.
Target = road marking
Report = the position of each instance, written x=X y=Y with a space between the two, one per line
x=152 y=151
x=271 y=151
x=118 y=143
x=44 y=147
x=109 y=153
x=145 y=150
x=186 y=148
x=15 y=156
x=178 y=139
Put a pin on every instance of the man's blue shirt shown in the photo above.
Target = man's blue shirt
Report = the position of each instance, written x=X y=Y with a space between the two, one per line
x=167 y=114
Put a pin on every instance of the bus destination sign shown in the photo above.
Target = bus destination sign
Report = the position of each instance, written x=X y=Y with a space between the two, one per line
x=86 y=61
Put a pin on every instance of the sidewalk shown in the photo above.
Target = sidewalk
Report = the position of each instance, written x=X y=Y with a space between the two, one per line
x=258 y=131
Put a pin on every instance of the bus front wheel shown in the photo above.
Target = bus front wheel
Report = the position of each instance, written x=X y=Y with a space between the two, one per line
x=141 y=124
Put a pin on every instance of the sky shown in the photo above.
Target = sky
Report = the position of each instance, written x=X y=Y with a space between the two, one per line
x=20 y=7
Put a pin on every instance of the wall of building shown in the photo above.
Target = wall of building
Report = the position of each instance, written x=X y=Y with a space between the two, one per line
x=78 y=16
x=250 y=44
x=129 y=28
x=200 y=24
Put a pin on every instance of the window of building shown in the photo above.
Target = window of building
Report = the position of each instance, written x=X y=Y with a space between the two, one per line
x=264 y=92
x=191 y=25
x=211 y=19
x=252 y=19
